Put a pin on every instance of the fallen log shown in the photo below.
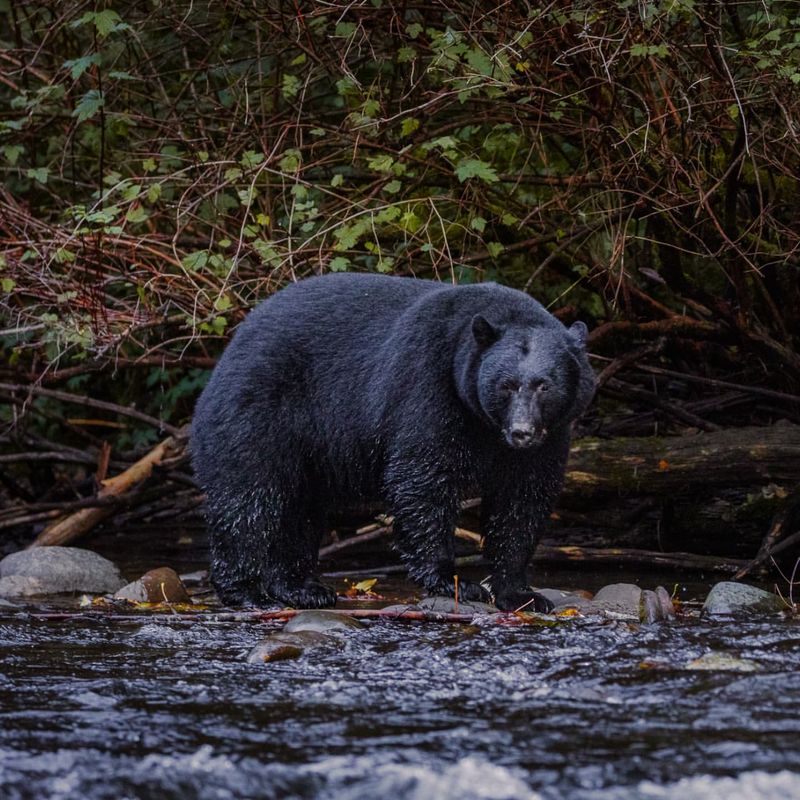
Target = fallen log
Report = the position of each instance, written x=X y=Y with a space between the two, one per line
x=72 y=526
x=673 y=464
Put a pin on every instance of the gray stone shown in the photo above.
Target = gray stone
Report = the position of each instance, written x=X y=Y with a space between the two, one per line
x=563 y=600
x=161 y=585
x=63 y=569
x=282 y=646
x=321 y=622
x=650 y=609
x=665 y=602
x=447 y=605
x=728 y=597
x=20 y=586
x=619 y=600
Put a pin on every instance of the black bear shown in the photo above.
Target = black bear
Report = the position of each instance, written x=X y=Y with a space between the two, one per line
x=348 y=387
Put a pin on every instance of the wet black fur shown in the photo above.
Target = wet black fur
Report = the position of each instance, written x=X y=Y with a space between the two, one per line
x=346 y=387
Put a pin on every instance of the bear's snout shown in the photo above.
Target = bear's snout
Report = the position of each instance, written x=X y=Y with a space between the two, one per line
x=520 y=436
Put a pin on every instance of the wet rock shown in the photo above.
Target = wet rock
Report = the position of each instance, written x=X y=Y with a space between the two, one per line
x=20 y=586
x=564 y=600
x=282 y=646
x=728 y=597
x=63 y=569
x=665 y=603
x=196 y=578
x=162 y=585
x=619 y=600
x=447 y=605
x=723 y=661
x=321 y=622
x=650 y=609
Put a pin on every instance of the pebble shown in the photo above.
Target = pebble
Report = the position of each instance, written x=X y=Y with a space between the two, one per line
x=282 y=646
x=321 y=622
x=161 y=585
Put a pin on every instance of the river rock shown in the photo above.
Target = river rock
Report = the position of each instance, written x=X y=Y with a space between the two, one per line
x=728 y=597
x=563 y=600
x=282 y=646
x=447 y=605
x=20 y=586
x=620 y=600
x=321 y=622
x=62 y=569
x=161 y=585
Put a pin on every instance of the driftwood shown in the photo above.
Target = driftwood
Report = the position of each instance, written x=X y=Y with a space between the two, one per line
x=666 y=465
x=74 y=525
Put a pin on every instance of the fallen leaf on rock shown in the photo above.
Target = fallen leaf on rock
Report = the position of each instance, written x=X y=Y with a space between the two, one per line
x=568 y=612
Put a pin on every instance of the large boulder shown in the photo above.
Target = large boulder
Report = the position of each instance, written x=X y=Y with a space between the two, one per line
x=730 y=598
x=57 y=570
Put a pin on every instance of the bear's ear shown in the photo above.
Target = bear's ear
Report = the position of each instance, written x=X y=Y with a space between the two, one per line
x=484 y=332
x=579 y=331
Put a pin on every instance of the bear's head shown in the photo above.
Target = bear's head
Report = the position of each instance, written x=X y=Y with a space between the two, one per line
x=531 y=380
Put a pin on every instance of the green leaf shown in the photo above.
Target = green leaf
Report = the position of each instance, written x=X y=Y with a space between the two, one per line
x=7 y=284
x=63 y=256
x=250 y=158
x=232 y=173
x=370 y=108
x=414 y=29
x=479 y=61
x=131 y=191
x=222 y=303
x=410 y=124
x=12 y=152
x=339 y=264
x=478 y=224
x=77 y=66
x=475 y=168
x=495 y=248
x=153 y=193
x=290 y=161
x=138 y=214
x=337 y=179
x=149 y=165
x=406 y=54
x=88 y=105
x=381 y=163
x=393 y=187
x=196 y=260
x=39 y=174
x=290 y=87
x=345 y=29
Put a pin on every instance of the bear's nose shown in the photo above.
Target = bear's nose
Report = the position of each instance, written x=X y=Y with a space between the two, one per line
x=521 y=436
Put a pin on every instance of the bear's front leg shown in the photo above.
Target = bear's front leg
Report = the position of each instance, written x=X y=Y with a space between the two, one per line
x=512 y=522
x=425 y=505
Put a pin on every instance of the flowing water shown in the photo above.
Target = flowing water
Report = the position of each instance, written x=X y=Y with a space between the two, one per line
x=153 y=707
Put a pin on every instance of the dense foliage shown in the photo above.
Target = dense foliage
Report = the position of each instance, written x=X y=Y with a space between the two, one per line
x=166 y=165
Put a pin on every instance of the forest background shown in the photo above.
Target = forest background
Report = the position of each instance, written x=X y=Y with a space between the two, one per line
x=632 y=164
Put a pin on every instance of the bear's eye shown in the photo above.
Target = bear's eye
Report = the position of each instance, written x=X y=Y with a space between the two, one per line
x=543 y=386
x=509 y=386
